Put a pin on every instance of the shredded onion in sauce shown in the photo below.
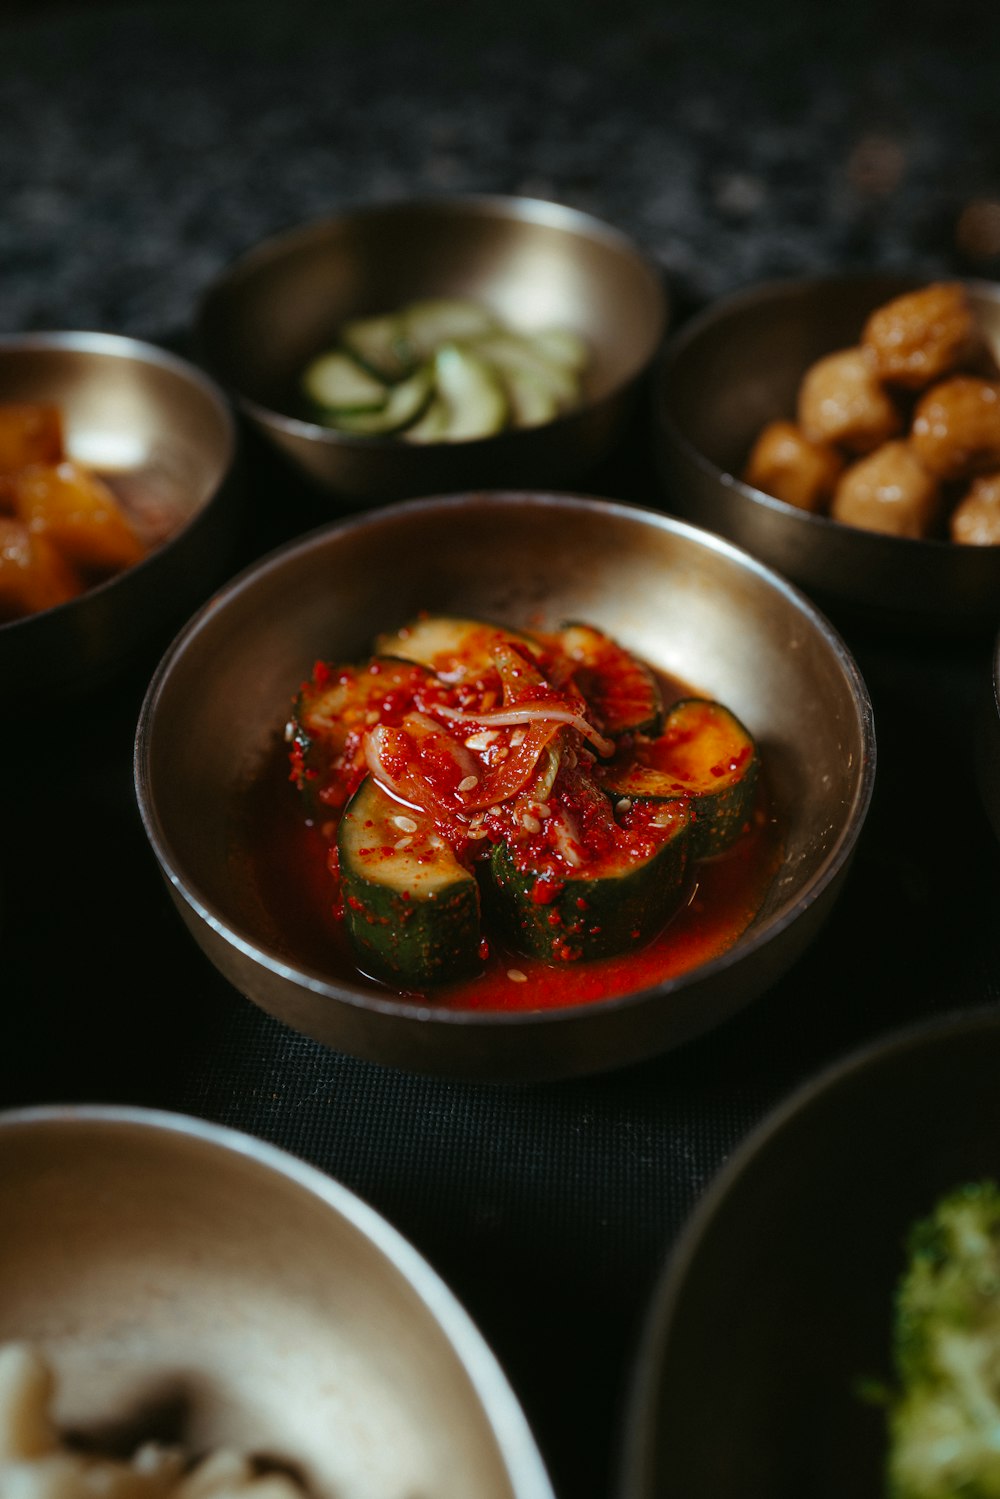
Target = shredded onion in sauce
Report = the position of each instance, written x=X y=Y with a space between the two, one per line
x=533 y=713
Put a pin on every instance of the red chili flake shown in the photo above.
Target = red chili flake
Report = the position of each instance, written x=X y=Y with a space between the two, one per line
x=582 y=903
x=554 y=919
x=545 y=891
x=322 y=675
x=484 y=949
x=355 y=904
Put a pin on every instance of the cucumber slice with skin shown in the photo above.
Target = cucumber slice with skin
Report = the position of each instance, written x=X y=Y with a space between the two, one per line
x=411 y=909
x=432 y=426
x=404 y=404
x=561 y=346
x=514 y=351
x=434 y=321
x=475 y=398
x=336 y=382
x=615 y=903
x=458 y=649
x=622 y=689
x=380 y=344
x=530 y=397
x=704 y=754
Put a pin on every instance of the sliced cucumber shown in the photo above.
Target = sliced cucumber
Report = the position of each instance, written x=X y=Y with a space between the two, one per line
x=412 y=910
x=561 y=346
x=475 y=397
x=514 y=351
x=437 y=320
x=621 y=688
x=432 y=426
x=530 y=397
x=380 y=344
x=403 y=405
x=337 y=382
x=706 y=755
x=458 y=649
x=615 y=903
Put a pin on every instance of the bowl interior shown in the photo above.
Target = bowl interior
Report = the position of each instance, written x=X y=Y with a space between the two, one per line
x=197 y=1287
x=679 y=598
x=532 y=263
x=778 y=1299
x=739 y=366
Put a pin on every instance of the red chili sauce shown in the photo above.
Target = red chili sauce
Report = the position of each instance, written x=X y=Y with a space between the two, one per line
x=291 y=874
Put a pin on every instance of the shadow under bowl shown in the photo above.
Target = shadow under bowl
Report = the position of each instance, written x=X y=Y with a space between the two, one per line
x=777 y=1301
x=531 y=262
x=688 y=603
x=193 y=1285
x=162 y=435
x=738 y=366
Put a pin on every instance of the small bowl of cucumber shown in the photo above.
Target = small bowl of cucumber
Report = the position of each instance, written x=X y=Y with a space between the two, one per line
x=430 y=345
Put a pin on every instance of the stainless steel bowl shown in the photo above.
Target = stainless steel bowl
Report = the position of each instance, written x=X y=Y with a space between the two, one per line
x=776 y=1304
x=189 y=1283
x=153 y=422
x=688 y=602
x=532 y=262
x=737 y=366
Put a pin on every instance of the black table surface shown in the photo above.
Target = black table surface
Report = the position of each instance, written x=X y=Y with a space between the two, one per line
x=142 y=147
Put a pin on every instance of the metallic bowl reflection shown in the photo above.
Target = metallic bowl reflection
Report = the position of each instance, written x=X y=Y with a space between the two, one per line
x=532 y=262
x=737 y=366
x=686 y=601
x=190 y=1283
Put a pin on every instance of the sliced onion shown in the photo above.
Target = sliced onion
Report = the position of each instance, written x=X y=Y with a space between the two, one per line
x=533 y=713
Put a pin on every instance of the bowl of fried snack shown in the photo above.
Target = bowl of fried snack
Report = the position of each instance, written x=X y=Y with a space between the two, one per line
x=116 y=481
x=846 y=430
x=428 y=345
x=187 y=1312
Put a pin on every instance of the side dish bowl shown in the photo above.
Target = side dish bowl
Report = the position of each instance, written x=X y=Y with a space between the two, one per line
x=776 y=1305
x=152 y=425
x=737 y=366
x=532 y=263
x=686 y=602
x=191 y=1284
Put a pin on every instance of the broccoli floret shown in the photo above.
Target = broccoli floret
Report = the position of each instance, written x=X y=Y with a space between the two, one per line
x=944 y=1417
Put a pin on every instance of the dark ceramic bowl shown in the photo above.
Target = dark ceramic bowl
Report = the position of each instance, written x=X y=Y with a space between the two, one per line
x=685 y=601
x=776 y=1303
x=736 y=367
x=531 y=262
x=188 y=1283
x=152 y=424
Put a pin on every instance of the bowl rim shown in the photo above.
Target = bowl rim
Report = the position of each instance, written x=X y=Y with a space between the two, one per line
x=124 y=346
x=501 y=1408
x=540 y=211
x=369 y=999
x=677 y=344
x=638 y=1447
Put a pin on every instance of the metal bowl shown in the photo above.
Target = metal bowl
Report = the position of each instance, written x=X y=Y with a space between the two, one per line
x=532 y=262
x=777 y=1300
x=153 y=424
x=189 y=1283
x=738 y=366
x=685 y=601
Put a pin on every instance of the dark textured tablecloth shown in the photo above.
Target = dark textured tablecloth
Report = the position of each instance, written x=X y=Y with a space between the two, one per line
x=141 y=147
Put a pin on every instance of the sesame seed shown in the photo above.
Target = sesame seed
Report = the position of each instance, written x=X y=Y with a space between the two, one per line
x=543 y=809
x=469 y=783
x=517 y=737
x=289 y=731
x=482 y=740
x=625 y=805
x=516 y=976
x=530 y=824
x=404 y=824
x=402 y=843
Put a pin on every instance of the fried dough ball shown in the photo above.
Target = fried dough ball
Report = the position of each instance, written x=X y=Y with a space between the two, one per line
x=956 y=427
x=33 y=574
x=30 y=432
x=975 y=521
x=842 y=401
x=78 y=513
x=889 y=491
x=785 y=464
x=923 y=335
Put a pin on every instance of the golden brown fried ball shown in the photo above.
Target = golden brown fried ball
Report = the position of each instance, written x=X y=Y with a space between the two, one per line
x=975 y=521
x=956 y=427
x=923 y=335
x=784 y=463
x=889 y=491
x=842 y=401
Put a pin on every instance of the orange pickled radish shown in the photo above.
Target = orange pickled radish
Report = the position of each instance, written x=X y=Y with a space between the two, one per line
x=79 y=515
x=33 y=574
x=30 y=432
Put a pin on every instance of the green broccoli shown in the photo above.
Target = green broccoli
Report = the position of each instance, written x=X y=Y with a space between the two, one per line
x=944 y=1415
